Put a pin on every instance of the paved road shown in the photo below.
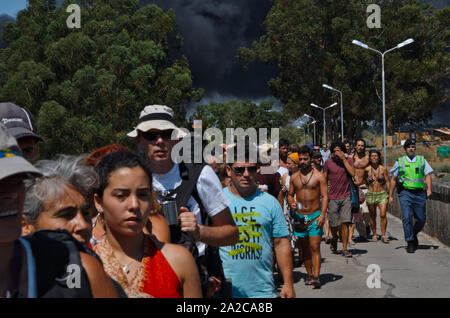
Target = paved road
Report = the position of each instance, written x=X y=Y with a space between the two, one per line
x=426 y=273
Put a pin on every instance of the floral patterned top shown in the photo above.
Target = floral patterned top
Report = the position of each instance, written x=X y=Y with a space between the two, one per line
x=155 y=278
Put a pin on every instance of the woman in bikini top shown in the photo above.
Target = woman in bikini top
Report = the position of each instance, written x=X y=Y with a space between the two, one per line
x=375 y=172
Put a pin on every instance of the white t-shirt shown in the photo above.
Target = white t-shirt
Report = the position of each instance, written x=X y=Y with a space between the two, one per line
x=209 y=190
x=282 y=171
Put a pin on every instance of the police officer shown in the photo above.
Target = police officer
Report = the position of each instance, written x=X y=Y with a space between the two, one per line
x=408 y=175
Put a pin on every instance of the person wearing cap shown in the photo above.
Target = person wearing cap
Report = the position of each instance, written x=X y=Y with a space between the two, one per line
x=155 y=136
x=22 y=126
x=24 y=262
x=408 y=175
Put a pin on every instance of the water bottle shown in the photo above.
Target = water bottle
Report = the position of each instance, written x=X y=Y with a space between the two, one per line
x=169 y=207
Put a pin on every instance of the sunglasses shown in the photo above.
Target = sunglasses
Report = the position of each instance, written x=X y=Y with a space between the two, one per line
x=153 y=135
x=240 y=170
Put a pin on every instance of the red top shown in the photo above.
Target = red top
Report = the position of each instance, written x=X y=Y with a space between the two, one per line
x=160 y=279
x=338 y=176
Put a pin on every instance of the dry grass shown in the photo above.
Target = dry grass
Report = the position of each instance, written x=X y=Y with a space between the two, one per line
x=429 y=152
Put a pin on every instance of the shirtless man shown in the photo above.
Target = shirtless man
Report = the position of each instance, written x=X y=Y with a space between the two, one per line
x=361 y=162
x=309 y=185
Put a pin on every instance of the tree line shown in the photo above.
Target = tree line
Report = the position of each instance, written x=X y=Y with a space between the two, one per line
x=87 y=86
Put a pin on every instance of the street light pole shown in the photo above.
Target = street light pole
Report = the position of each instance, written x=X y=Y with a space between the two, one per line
x=365 y=46
x=324 y=122
x=313 y=123
x=342 y=109
x=307 y=126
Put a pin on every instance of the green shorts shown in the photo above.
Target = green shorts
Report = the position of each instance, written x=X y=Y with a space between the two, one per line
x=375 y=198
x=312 y=230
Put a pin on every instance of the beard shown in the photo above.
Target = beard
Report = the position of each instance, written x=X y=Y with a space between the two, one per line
x=305 y=167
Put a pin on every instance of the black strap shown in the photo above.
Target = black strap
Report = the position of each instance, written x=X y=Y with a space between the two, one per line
x=189 y=175
x=157 y=116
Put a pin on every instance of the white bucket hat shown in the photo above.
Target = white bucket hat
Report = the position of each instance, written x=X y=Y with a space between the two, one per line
x=158 y=117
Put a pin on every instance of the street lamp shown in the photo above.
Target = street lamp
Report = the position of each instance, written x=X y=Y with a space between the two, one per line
x=365 y=46
x=313 y=123
x=342 y=109
x=324 y=123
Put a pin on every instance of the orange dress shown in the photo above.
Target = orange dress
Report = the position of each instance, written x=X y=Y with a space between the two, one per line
x=154 y=278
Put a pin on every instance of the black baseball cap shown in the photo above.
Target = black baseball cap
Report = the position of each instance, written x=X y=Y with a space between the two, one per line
x=19 y=121
x=409 y=142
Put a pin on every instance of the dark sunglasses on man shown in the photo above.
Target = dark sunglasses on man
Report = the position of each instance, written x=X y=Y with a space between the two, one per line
x=153 y=135
x=241 y=170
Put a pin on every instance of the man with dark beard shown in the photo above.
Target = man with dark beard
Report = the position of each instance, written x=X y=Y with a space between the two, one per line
x=283 y=150
x=338 y=170
x=362 y=220
x=309 y=185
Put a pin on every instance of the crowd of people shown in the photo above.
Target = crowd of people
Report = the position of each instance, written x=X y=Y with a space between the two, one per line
x=101 y=224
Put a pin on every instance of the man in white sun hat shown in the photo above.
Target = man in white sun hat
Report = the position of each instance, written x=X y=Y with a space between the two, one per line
x=198 y=190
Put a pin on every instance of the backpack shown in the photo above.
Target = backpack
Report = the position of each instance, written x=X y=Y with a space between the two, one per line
x=55 y=252
x=209 y=264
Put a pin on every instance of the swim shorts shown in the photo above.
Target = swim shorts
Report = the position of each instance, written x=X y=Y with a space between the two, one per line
x=312 y=230
x=375 y=198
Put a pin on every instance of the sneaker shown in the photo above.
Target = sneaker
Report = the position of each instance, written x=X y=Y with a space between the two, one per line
x=410 y=248
x=316 y=283
x=328 y=240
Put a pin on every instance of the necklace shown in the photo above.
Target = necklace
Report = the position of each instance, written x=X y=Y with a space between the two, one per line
x=375 y=172
x=301 y=180
x=125 y=268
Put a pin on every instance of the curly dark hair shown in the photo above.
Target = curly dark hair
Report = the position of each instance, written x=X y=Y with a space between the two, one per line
x=337 y=143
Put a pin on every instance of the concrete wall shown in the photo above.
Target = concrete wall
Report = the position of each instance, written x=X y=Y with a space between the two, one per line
x=438 y=212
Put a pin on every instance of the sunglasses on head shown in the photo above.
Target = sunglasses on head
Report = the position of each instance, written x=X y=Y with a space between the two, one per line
x=153 y=135
x=240 y=170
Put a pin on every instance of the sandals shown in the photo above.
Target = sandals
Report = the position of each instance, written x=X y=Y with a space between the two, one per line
x=309 y=280
x=375 y=238
x=385 y=239
x=346 y=253
x=333 y=245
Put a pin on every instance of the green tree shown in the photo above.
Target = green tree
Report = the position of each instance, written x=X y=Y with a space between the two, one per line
x=87 y=86
x=238 y=114
x=311 y=42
